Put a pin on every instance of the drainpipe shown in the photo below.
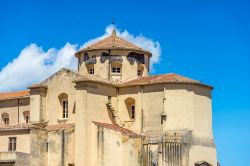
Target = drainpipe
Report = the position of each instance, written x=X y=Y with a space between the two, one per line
x=109 y=67
x=18 y=101
x=63 y=147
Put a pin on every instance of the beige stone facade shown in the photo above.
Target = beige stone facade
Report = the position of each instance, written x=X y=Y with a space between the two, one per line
x=109 y=112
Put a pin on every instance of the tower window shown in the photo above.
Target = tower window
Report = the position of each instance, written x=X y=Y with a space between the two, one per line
x=133 y=112
x=65 y=109
x=139 y=72
x=91 y=71
x=12 y=143
x=27 y=118
x=116 y=70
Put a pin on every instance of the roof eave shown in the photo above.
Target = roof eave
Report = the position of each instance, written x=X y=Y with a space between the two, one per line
x=35 y=86
x=154 y=83
x=14 y=129
x=94 y=81
x=13 y=98
x=115 y=48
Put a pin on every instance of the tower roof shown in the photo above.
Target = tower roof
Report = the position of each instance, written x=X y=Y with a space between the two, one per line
x=113 y=42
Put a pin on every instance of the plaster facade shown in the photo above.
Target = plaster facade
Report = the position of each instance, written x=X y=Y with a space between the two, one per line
x=110 y=112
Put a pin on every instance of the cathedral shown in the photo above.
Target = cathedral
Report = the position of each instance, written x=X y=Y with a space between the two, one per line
x=110 y=112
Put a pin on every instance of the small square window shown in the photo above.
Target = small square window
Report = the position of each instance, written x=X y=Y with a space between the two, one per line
x=118 y=70
x=138 y=72
x=91 y=71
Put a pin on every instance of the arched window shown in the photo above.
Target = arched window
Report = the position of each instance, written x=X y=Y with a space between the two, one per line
x=5 y=118
x=26 y=115
x=64 y=105
x=130 y=104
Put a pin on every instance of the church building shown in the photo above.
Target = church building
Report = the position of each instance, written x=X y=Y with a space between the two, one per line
x=110 y=112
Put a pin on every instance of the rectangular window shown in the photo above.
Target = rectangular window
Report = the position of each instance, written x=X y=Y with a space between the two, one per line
x=65 y=109
x=132 y=112
x=27 y=118
x=91 y=71
x=116 y=70
x=138 y=72
x=6 y=121
x=12 y=143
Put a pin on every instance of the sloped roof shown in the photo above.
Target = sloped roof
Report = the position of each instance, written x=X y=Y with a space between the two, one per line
x=13 y=95
x=117 y=128
x=73 y=73
x=147 y=80
x=162 y=78
x=113 y=42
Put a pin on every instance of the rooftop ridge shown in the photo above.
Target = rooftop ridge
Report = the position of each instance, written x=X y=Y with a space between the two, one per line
x=112 y=42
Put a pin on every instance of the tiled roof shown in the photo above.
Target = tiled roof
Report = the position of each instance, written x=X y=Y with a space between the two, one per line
x=14 y=126
x=117 y=128
x=155 y=79
x=162 y=78
x=12 y=95
x=59 y=126
x=113 y=42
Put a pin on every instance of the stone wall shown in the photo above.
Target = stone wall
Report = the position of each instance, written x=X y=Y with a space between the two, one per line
x=15 y=108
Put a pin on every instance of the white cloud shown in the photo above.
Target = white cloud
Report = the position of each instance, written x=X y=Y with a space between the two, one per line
x=34 y=64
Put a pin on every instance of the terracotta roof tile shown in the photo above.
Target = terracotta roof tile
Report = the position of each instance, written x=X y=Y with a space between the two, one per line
x=113 y=42
x=117 y=128
x=163 y=78
x=155 y=79
x=12 y=95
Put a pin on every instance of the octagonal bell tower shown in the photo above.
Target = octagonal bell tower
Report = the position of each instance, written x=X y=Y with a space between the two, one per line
x=113 y=59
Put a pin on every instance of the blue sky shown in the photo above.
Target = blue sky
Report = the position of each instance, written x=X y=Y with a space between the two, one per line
x=205 y=40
